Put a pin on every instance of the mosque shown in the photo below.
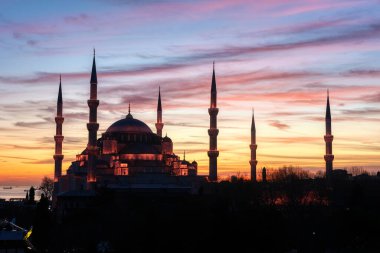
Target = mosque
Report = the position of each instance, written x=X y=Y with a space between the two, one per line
x=130 y=157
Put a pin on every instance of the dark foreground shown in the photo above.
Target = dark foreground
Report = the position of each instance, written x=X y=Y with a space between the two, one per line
x=301 y=216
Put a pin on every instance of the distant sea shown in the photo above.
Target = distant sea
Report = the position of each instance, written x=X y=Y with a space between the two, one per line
x=16 y=192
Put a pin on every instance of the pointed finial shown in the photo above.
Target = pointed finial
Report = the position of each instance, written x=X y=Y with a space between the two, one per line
x=184 y=155
x=213 y=82
x=166 y=134
x=94 y=78
x=129 y=116
x=60 y=90
x=159 y=106
x=59 y=100
x=328 y=113
x=253 y=125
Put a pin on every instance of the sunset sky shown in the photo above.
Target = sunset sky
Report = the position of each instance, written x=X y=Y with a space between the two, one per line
x=278 y=57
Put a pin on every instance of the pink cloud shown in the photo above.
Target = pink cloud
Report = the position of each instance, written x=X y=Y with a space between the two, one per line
x=278 y=124
x=311 y=6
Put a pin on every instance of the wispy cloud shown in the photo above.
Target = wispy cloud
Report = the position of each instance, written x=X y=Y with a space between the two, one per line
x=362 y=111
x=364 y=72
x=17 y=157
x=369 y=31
x=312 y=6
x=44 y=161
x=297 y=139
x=36 y=124
x=371 y=98
x=279 y=125
x=78 y=19
x=299 y=28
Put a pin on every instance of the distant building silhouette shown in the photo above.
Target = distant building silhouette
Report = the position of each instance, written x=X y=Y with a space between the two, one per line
x=264 y=175
x=329 y=157
x=213 y=132
x=253 y=147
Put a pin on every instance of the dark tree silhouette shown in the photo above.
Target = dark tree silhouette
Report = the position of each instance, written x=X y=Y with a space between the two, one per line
x=47 y=187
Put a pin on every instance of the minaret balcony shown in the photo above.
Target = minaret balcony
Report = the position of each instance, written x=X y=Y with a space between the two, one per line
x=58 y=157
x=213 y=153
x=213 y=111
x=58 y=138
x=253 y=162
x=92 y=126
x=329 y=158
x=329 y=138
x=213 y=132
x=59 y=119
x=93 y=103
x=253 y=146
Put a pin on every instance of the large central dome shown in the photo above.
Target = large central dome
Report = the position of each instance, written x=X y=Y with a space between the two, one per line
x=129 y=125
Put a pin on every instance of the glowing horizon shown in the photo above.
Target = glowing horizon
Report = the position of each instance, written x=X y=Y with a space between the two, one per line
x=277 y=57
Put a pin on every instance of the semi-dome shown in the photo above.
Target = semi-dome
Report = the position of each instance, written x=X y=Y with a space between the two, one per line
x=166 y=139
x=129 y=125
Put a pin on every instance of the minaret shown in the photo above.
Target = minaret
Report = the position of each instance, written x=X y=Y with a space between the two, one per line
x=159 y=124
x=58 y=157
x=213 y=152
x=58 y=138
x=253 y=147
x=92 y=127
x=329 y=157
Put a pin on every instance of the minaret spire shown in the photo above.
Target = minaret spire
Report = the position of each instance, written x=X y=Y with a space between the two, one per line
x=328 y=114
x=159 y=124
x=92 y=127
x=213 y=87
x=94 y=78
x=159 y=107
x=213 y=132
x=59 y=100
x=329 y=157
x=253 y=147
x=58 y=138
